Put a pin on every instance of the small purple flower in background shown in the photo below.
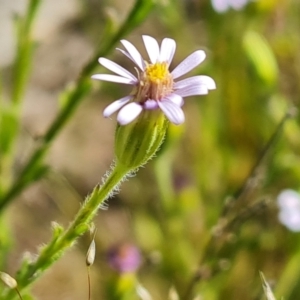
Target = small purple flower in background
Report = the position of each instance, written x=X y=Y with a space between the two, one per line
x=124 y=258
x=154 y=86
x=289 y=209
x=222 y=6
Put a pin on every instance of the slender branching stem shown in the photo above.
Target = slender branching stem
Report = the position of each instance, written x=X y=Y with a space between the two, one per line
x=204 y=272
x=58 y=245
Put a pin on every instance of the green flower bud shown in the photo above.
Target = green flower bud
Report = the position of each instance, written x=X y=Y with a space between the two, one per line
x=138 y=141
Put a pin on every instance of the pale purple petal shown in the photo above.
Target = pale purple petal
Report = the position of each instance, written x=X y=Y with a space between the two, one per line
x=289 y=200
x=129 y=112
x=291 y=219
x=189 y=63
x=150 y=104
x=112 y=66
x=152 y=48
x=196 y=80
x=167 y=50
x=238 y=4
x=172 y=111
x=126 y=54
x=134 y=54
x=116 y=105
x=176 y=99
x=220 y=6
x=192 y=90
x=289 y=209
x=113 y=78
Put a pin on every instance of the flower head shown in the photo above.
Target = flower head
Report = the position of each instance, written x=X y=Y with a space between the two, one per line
x=155 y=86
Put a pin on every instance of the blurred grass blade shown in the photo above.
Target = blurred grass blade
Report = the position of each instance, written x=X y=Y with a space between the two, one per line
x=143 y=294
x=11 y=111
x=8 y=127
x=173 y=295
x=25 y=47
x=261 y=56
x=267 y=290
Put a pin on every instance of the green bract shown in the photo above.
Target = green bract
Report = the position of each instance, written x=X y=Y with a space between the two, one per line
x=138 y=141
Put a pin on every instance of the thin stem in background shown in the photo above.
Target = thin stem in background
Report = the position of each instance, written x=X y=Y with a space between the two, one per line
x=24 y=51
x=203 y=272
x=250 y=182
x=10 y=115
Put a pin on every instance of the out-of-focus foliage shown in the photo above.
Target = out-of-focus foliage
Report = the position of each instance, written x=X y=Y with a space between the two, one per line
x=203 y=214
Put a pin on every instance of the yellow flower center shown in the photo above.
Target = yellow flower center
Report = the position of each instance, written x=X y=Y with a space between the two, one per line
x=157 y=72
x=155 y=83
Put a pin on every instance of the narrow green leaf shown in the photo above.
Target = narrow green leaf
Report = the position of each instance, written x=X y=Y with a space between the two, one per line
x=261 y=56
x=267 y=290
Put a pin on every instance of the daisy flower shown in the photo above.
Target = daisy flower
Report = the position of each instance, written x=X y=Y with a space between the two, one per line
x=154 y=86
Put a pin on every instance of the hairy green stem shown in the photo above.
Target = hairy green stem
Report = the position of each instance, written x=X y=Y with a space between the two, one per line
x=29 y=272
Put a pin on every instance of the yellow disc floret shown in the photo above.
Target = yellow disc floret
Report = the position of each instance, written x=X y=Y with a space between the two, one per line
x=157 y=72
x=155 y=83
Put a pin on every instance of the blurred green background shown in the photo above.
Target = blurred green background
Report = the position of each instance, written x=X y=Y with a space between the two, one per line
x=198 y=227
